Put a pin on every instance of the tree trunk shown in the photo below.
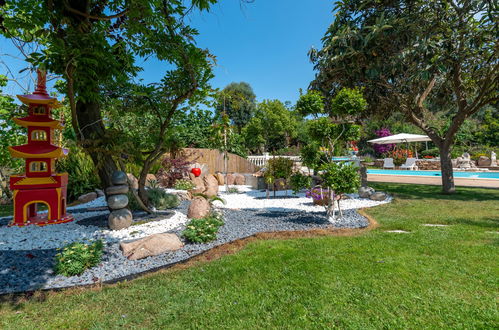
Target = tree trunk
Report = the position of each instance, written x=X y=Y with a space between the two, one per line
x=448 y=186
x=92 y=135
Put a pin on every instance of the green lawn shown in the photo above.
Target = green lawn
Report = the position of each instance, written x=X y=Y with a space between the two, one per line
x=433 y=277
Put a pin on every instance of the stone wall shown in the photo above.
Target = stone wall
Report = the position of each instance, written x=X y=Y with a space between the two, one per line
x=428 y=164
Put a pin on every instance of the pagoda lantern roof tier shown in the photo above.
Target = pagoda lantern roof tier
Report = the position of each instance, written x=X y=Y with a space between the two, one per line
x=38 y=121
x=39 y=99
x=39 y=151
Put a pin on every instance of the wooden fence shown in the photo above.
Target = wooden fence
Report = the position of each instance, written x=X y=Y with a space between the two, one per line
x=214 y=159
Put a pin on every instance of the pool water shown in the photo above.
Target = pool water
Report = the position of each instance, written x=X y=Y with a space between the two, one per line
x=471 y=175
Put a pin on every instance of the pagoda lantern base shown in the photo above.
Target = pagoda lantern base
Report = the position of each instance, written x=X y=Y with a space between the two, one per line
x=42 y=220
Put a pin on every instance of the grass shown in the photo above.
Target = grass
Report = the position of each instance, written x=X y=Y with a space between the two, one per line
x=433 y=277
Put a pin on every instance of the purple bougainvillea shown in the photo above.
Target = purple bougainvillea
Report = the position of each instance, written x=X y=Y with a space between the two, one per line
x=383 y=148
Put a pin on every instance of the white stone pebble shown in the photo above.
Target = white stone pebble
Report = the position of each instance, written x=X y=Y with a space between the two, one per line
x=256 y=199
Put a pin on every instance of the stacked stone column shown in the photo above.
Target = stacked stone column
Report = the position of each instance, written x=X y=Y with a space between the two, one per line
x=117 y=201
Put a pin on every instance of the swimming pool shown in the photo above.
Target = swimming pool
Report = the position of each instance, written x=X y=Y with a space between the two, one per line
x=470 y=175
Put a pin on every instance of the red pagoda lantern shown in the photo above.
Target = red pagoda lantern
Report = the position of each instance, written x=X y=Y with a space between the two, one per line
x=40 y=184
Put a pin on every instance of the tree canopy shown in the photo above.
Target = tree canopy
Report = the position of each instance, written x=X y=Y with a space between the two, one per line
x=427 y=59
x=272 y=127
x=238 y=101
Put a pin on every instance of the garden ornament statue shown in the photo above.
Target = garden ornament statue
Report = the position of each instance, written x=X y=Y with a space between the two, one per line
x=493 y=159
x=40 y=184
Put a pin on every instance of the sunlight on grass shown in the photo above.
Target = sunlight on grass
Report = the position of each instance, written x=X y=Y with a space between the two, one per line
x=433 y=277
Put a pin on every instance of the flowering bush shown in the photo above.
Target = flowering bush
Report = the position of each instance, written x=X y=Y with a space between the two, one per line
x=317 y=193
x=383 y=148
x=203 y=230
x=400 y=156
x=76 y=257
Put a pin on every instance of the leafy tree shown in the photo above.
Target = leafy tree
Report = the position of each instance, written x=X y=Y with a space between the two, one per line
x=311 y=103
x=238 y=101
x=193 y=128
x=272 y=128
x=143 y=118
x=417 y=57
x=11 y=134
x=92 y=44
x=488 y=132
x=327 y=135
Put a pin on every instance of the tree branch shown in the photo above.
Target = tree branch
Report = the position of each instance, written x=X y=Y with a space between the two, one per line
x=98 y=18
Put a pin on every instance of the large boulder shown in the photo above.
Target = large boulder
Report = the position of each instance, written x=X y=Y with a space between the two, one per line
x=183 y=195
x=230 y=179
x=118 y=178
x=134 y=182
x=200 y=188
x=120 y=219
x=483 y=161
x=365 y=192
x=211 y=184
x=117 y=190
x=210 y=180
x=116 y=202
x=87 y=197
x=99 y=193
x=239 y=179
x=199 y=208
x=150 y=178
x=220 y=179
x=378 y=196
x=151 y=246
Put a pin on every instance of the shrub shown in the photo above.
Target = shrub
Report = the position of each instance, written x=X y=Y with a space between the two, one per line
x=173 y=169
x=184 y=184
x=383 y=148
x=476 y=156
x=81 y=170
x=132 y=202
x=76 y=257
x=161 y=200
x=299 y=181
x=278 y=168
x=203 y=230
x=400 y=156
x=233 y=190
x=434 y=152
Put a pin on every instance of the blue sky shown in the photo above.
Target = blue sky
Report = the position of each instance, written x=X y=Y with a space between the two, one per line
x=264 y=43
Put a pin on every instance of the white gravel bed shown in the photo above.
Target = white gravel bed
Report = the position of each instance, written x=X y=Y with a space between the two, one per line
x=256 y=199
x=27 y=253
x=57 y=236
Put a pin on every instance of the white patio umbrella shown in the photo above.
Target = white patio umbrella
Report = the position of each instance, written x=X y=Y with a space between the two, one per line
x=401 y=138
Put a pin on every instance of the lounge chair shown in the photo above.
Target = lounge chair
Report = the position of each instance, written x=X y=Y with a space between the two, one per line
x=388 y=163
x=410 y=164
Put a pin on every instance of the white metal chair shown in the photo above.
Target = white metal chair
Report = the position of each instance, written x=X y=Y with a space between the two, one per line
x=410 y=164
x=388 y=163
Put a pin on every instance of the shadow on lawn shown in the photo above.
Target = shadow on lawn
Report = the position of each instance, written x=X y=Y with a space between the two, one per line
x=415 y=191
x=487 y=223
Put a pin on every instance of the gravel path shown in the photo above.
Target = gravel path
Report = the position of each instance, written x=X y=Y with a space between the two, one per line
x=25 y=269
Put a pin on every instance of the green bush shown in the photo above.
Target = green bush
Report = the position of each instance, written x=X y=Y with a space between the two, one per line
x=478 y=155
x=278 y=168
x=184 y=184
x=161 y=200
x=83 y=177
x=430 y=152
x=233 y=190
x=76 y=257
x=299 y=181
x=203 y=230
